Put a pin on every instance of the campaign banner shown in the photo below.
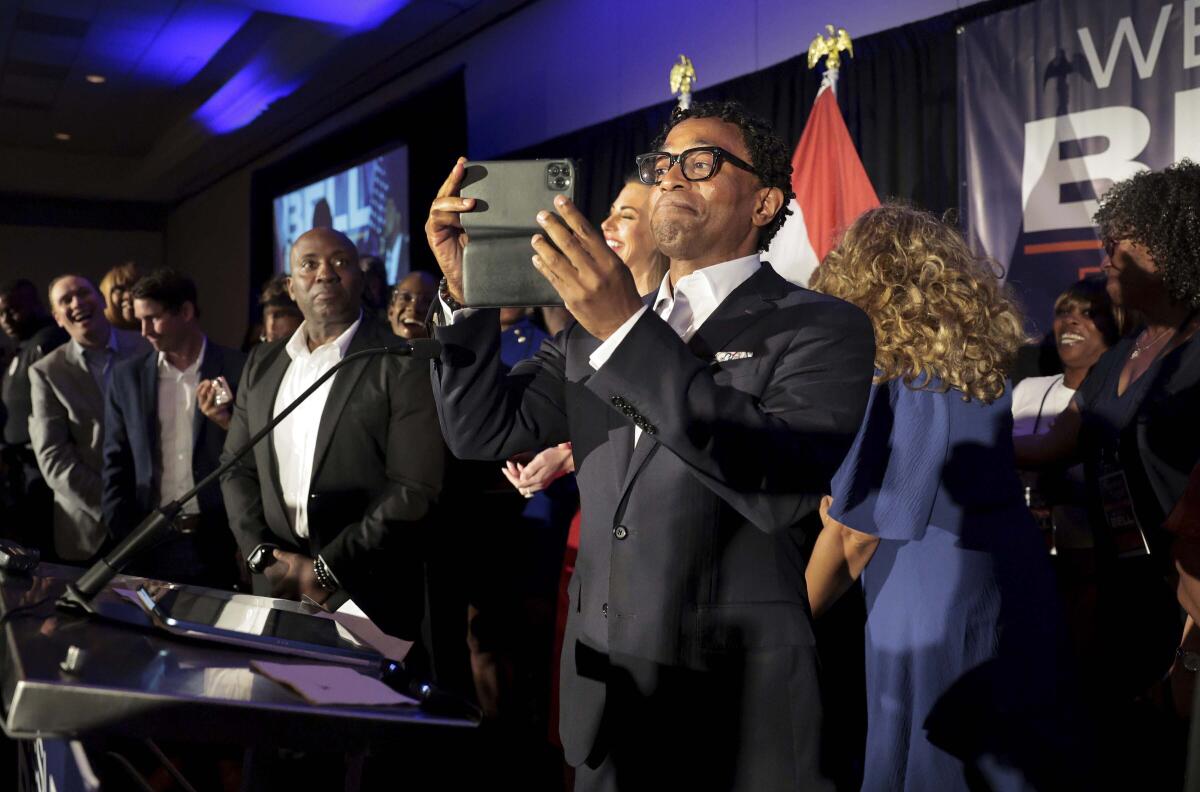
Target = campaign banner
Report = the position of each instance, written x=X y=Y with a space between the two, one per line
x=1059 y=99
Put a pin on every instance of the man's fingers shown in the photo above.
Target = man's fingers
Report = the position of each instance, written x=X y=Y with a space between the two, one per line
x=452 y=203
x=444 y=213
x=550 y=262
x=564 y=238
x=454 y=180
x=578 y=224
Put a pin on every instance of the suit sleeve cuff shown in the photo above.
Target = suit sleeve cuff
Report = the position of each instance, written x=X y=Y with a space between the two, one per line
x=606 y=349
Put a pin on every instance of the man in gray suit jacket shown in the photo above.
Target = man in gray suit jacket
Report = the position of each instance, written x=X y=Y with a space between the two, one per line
x=706 y=424
x=67 y=424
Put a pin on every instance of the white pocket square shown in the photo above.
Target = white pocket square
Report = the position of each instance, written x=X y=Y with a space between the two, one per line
x=725 y=357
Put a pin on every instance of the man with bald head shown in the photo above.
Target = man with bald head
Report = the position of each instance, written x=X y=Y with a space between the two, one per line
x=67 y=424
x=333 y=505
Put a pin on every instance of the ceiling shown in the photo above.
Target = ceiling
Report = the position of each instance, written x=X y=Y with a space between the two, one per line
x=191 y=86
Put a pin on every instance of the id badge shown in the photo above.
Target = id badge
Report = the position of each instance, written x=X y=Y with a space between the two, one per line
x=1127 y=535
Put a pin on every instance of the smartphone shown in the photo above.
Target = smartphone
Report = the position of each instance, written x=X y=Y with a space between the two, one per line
x=497 y=266
x=222 y=394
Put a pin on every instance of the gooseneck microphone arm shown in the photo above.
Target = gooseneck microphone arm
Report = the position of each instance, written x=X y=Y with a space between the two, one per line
x=79 y=594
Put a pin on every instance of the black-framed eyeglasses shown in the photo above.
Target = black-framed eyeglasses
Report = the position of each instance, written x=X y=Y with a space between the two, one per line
x=696 y=164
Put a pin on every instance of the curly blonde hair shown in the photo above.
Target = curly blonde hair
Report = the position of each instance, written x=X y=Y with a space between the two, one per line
x=938 y=310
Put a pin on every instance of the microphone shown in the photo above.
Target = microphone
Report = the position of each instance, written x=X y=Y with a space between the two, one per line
x=78 y=596
x=432 y=699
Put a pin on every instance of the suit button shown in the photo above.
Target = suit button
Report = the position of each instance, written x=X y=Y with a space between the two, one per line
x=604 y=610
x=620 y=532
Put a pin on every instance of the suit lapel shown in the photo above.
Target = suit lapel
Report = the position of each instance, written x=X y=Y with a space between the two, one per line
x=84 y=383
x=743 y=308
x=261 y=408
x=210 y=368
x=343 y=385
x=748 y=303
x=149 y=397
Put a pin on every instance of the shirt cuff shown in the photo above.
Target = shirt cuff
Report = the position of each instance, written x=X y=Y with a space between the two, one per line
x=610 y=344
x=453 y=316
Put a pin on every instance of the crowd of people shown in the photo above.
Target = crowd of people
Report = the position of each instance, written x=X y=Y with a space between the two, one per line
x=617 y=525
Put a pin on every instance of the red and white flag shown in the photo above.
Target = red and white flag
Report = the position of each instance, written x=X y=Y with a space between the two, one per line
x=831 y=186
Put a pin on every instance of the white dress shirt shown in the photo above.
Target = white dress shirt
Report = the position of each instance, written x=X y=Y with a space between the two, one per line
x=176 y=417
x=296 y=438
x=685 y=308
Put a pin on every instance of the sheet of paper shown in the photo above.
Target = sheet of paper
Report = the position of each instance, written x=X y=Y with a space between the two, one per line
x=330 y=684
x=350 y=618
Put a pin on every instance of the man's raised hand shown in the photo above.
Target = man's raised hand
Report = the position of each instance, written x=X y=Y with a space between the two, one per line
x=595 y=284
x=444 y=230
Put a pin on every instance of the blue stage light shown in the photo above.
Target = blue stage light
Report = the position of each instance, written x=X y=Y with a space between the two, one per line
x=245 y=97
x=264 y=80
x=356 y=15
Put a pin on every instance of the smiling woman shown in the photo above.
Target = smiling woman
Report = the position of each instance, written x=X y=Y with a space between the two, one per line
x=627 y=232
x=1085 y=326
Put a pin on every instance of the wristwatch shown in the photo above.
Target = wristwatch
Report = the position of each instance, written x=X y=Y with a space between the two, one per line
x=1189 y=660
x=444 y=293
x=325 y=578
x=261 y=558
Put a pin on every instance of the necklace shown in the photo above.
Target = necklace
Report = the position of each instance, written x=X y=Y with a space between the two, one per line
x=1140 y=348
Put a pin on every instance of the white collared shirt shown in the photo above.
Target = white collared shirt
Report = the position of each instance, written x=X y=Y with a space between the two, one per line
x=176 y=417
x=296 y=438
x=702 y=291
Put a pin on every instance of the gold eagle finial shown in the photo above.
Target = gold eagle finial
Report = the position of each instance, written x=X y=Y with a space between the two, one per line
x=683 y=74
x=830 y=47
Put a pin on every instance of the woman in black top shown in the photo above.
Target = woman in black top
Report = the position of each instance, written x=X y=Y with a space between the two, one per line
x=1132 y=425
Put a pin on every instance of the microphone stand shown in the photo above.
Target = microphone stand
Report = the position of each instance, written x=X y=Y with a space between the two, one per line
x=78 y=596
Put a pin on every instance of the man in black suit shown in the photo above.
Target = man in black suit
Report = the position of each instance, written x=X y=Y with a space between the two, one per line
x=25 y=498
x=332 y=505
x=706 y=425
x=164 y=429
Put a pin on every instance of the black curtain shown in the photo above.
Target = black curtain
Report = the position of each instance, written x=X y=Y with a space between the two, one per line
x=897 y=95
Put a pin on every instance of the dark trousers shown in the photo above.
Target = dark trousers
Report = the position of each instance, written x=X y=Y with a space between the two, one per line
x=753 y=723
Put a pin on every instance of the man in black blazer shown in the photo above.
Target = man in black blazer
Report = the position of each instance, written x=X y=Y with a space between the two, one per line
x=706 y=423
x=164 y=431
x=332 y=505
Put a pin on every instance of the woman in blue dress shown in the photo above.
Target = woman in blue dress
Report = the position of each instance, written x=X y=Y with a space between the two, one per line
x=962 y=635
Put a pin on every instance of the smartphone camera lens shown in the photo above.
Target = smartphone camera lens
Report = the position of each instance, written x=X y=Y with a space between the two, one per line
x=558 y=176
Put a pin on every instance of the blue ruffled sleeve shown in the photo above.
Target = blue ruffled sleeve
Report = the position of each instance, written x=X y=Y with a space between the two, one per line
x=887 y=484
